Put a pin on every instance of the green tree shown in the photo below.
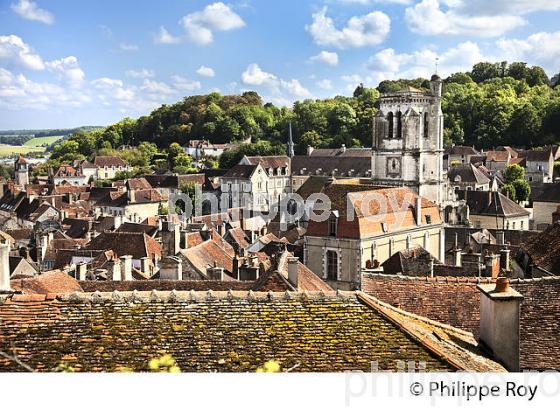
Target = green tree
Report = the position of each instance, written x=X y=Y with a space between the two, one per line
x=522 y=190
x=513 y=173
x=509 y=191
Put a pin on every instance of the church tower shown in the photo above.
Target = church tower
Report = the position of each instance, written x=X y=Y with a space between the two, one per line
x=407 y=147
x=290 y=144
x=21 y=172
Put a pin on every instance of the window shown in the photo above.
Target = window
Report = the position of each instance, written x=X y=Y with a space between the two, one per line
x=399 y=125
x=428 y=219
x=513 y=225
x=333 y=222
x=391 y=125
x=426 y=125
x=332 y=265
x=522 y=225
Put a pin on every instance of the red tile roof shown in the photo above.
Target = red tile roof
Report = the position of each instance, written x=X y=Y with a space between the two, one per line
x=48 y=282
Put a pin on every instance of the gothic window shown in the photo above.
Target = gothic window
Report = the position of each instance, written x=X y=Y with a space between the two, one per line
x=391 y=124
x=399 y=125
x=426 y=125
x=332 y=265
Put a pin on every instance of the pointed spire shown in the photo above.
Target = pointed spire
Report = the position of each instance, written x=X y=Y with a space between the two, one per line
x=290 y=143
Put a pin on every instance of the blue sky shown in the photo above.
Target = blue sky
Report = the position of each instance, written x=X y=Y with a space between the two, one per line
x=66 y=63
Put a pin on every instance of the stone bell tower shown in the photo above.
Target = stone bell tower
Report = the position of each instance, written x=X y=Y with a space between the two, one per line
x=407 y=147
x=21 y=171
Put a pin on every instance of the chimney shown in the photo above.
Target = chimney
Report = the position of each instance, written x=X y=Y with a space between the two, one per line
x=215 y=273
x=235 y=267
x=501 y=237
x=171 y=268
x=145 y=265
x=309 y=150
x=419 y=210
x=126 y=270
x=293 y=271
x=457 y=253
x=504 y=259
x=81 y=271
x=343 y=148
x=499 y=322
x=116 y=269
x=5 y=268
x=491 y=266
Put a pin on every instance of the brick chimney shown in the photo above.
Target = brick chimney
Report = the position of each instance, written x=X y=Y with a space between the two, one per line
x=5 y=268
x=126 y=267
x=293 y=275
x=499 y=322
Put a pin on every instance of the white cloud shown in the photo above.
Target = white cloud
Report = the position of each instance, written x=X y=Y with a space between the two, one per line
x=370 y=2
x=142 y=73
x=199 y=27
x=255 y=76
x=205 y=71
x=15 y=51
x=428 y=18
x=368 y=30
x=18 y=92
x=30 y=11
x=324 y=84
x=68 y=69
x=325 y=57
x=540 y=48
x=183 y=84
x=387 y=64
x=500 y=7
x=156 y=87
x=128 y=47
x=164 y=37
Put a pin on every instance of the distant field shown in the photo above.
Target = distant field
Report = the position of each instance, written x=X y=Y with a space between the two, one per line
x=7 y=150
x=40 y=141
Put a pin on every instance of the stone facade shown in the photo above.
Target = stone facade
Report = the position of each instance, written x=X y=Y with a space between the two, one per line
x=408 y=141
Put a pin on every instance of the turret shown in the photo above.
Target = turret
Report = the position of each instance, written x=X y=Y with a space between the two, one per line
x=290 y=143
x=436 y=85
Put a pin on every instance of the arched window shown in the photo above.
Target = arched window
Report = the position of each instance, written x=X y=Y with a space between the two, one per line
x=399 y=125
x=391 y=124
x=426 y=125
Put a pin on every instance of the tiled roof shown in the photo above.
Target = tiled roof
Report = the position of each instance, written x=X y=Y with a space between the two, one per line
x=240 y=171
x=165 y=285
x=544 y=249
x=133 y=227
x=456 y=301
x=491 y=203
x=137 y=244
x=67 y=171
x=238 y=237
x=415 y=261
x=340 y=152
x=272 y=161
x=226 y=332
x=467 y=173
x=48 y=282
x=461 y=150
x=20 y=234
x=173 y=181
x=137 y=184
x=21 y=160
x=208 y=254
x=497 y=156
x=102 y=161
x=362 y=225
x=343 y=166
x=542 y=155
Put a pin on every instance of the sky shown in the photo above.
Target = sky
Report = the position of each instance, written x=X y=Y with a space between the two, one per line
x=67 y=63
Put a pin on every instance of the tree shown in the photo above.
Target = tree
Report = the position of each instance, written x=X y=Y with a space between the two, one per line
x=485 y=71
x=513 y=173
x=509 y=191
x=522 y=190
